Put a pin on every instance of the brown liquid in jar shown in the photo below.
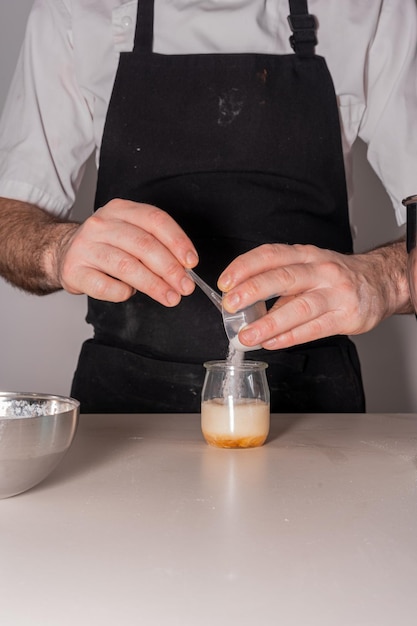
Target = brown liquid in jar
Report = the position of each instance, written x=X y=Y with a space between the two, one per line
x=220 y=441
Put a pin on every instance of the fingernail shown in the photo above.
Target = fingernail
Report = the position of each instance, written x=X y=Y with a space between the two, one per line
x=250 y=335
x=191 y=258
x=173 y=297
x=232 y=302
x=224 y=282
x=187 y=285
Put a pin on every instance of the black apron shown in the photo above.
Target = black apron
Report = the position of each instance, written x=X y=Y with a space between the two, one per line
x=241 y=150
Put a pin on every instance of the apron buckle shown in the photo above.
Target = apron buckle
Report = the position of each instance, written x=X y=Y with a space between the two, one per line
x=304 y=36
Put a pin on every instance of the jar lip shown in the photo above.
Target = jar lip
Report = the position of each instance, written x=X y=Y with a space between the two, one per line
x=245 y=365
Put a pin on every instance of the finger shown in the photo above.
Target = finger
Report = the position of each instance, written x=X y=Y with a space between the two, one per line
x=100 y=286
x=112 y=245
x=310 y=331
x=262 y=259
x=140 y=245
x=284 y=281
x=158 y=223
x=316 y=309
x=112 y=274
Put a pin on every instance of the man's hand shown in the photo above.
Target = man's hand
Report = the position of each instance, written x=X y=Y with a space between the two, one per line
x=322 y=293
x=124 y=247
x=127 y=246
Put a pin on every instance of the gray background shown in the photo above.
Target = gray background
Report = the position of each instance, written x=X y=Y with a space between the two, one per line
x=40 y=336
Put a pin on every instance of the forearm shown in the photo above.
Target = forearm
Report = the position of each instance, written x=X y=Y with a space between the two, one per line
x=30 y=240
x=389 y=272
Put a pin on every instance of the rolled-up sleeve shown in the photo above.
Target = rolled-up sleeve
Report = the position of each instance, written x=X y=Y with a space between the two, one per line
x=389 y=123
x=46 y=129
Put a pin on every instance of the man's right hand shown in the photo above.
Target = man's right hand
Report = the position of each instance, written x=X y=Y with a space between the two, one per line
x=122 y=248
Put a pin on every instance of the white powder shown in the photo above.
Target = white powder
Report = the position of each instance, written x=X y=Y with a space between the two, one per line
x=10 y=409
x=235 y=356
x=233 y=378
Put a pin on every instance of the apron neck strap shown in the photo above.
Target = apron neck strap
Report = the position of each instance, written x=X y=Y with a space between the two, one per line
x=144 y=26
x=304 y=27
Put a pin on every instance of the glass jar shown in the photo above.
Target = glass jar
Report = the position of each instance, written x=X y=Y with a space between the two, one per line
x=235 y=409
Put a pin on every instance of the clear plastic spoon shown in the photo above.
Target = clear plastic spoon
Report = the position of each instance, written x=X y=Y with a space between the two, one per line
x=233 y=322
x=210 y=293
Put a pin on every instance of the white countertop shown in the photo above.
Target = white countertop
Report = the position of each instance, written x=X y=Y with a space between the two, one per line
x=145 y=524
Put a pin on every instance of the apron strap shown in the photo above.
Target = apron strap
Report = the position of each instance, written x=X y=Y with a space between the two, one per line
x=144 y=27
x=304 y=27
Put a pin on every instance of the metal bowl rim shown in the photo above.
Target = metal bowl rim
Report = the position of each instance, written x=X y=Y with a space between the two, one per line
x=31 y=395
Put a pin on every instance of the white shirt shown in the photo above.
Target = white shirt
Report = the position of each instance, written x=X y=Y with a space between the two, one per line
x=55 y=112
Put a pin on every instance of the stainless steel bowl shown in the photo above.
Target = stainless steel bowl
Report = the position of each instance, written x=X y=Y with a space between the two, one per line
x=36 y=430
